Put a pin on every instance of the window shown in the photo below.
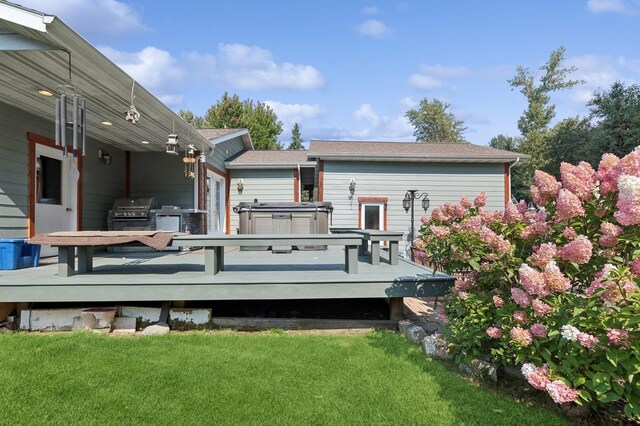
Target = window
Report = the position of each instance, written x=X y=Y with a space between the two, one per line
x=48 y=180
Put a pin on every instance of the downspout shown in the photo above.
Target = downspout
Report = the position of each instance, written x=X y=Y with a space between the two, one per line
x=299 y=184
x=510 y=167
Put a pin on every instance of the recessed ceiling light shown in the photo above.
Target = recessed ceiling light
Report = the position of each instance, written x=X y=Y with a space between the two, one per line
x=107 y=123
x=145 y=142
x=45 y=92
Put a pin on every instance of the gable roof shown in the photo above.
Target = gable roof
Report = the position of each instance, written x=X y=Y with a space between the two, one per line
x=216 y=136
x=409 y=151
x=269 y=160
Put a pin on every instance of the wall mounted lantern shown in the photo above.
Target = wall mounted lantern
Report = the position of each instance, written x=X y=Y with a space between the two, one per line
x=240 y=186
x=352 y=186
x=104 y=156
x=408 y=203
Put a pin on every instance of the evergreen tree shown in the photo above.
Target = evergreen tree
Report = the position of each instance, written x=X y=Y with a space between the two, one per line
x=296 y=139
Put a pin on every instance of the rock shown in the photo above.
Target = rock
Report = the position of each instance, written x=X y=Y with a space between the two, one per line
x=480 y=368
x=435 y=347
x=513 y=371
x=157 y=329
x=412 y=331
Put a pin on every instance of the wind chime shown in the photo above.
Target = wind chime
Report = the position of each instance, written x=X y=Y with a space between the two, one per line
x=189 y=159
x=71 y=113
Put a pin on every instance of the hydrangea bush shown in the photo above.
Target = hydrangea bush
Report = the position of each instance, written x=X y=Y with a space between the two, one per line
x=552 y=286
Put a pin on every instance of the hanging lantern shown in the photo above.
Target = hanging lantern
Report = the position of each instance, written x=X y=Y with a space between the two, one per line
x=71 y=113
x=172 y=144
x=189 y=162
x=132 y=115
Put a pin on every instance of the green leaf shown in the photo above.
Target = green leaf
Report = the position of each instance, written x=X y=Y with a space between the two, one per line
x=608 y=397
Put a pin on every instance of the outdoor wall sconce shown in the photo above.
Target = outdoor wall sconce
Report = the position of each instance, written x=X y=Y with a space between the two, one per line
x=172 y=144
x=408 y=203
x=104 y=156
x=240 y=186
x=352 y=186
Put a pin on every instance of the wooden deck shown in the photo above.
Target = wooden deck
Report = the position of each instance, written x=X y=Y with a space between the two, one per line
x=248 y=275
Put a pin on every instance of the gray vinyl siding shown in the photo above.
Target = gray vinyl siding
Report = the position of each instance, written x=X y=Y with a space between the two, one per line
x=160 y=175
x=100 y=183
x=225 y=150
x=443 y=182
x=265 y=185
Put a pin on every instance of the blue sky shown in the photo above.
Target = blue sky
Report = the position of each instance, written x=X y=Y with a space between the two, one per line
x=350 y=69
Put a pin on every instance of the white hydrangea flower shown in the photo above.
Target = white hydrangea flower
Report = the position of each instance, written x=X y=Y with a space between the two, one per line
x=569 y=332
x=629 y=187
x=528 y=369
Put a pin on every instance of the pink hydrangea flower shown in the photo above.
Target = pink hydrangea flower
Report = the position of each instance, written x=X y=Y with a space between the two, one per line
x=521 y=336
x=578 y=251
x=610 y=233
x=568 y=206
x=554 y=279
x=539 y=378
x=561 y=393
x=459 y=211
x=464 y=202
x=618 y=337
x=424 y=220
x=608 y=172
x=520 y=316
x=543 y=255
x=441 y=232
x=569 y=233
x=547 y=187
x=498 y=302
x=588 y=341
x=628 y=203
x=635 y=267
x=511 y=214
x=481 y=200
x=494 y=332
x=540 y=308
x=520 y=297
x=580 y=179
x=538 y=330
x=532 y=281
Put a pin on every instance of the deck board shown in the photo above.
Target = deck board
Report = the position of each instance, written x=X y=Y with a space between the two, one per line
x=248 y=275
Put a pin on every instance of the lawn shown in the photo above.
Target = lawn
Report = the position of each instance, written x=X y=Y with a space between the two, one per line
x=239 y=378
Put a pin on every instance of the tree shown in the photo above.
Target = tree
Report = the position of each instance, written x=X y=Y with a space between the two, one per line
x=296 y=139
x=507 y=143
x=434 y=124
x=188 y=116
x=535 y=120
x=259 y=118
x=617 y=112
x=570 y=141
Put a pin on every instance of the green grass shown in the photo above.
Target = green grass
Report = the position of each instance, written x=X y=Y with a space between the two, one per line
x=239 y=378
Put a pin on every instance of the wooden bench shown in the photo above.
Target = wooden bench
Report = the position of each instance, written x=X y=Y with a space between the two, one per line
x=374 y=237
x=214 y=245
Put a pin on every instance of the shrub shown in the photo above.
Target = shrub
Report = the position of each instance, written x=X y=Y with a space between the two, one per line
x=552 y=285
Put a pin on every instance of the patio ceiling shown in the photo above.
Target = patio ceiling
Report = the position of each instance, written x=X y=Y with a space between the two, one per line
x=106 y=87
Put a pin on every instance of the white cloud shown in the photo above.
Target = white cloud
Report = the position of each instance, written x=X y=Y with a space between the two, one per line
x=155 y=69
x=294 y=113
x=434 y=76
x=370 y=10
x=252 y=68
x=408 y=102
x=374 y=28
x=597 y=72
x=367 y=113
x=376 y=127
x=617 y=6
x=110 y=18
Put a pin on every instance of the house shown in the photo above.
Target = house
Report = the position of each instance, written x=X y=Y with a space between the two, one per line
x=366 y=181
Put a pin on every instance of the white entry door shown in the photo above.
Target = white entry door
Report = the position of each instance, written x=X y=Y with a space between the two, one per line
x=372 y=215
x=56 y=193
x=216 y=203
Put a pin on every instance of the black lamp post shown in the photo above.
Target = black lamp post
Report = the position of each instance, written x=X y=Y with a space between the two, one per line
x=408 y=203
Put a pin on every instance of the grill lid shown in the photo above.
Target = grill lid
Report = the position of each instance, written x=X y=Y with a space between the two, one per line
x=132 y=208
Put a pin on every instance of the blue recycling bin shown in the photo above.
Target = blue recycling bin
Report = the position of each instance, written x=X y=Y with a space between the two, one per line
x=16 y=253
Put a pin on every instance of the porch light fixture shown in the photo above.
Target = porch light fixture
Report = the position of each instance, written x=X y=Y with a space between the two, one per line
x=104 y=156
x=132 y=115
x=106 y=123
x=240 y=186
x=352 y=186
x=172 y=144
x=408 y=203
x=45 y=92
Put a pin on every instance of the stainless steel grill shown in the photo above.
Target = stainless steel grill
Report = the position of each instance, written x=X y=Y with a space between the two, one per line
x=132 y=208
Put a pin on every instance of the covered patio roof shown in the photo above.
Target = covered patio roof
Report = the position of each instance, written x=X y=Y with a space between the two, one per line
x=33 y=56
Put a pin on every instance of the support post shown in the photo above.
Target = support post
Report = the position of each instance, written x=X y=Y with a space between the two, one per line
x=375 y=252
x=396 y=307
x=351 y=259
x=210 y=261
x=393 y=252
x=85 y=259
